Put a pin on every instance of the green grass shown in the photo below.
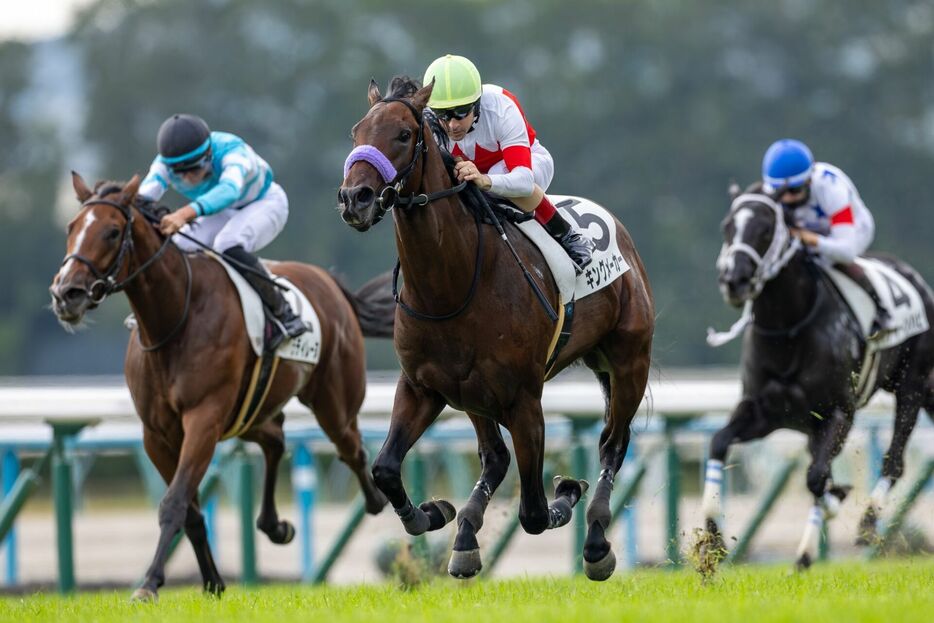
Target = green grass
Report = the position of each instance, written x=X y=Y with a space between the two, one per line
x=884 y=591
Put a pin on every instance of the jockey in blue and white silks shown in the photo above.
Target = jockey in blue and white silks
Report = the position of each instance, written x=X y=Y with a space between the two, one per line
x=828 y=213
x=235 y=206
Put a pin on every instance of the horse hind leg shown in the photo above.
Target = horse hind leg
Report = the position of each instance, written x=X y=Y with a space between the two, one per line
x=623 y=389
x=908 y=402
x=494 y=457
x=271 y=439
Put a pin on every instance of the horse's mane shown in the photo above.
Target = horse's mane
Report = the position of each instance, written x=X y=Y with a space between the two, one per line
x=107 y=187
x=404 y=87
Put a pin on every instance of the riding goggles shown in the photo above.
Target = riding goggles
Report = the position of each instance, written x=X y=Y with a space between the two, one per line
x=458 y=113
x=191 y=165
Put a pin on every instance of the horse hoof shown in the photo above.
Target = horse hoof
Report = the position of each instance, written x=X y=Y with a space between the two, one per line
x=376 y=503
x=440 y=513
x=464 y=565
x=570 y=488
x=215 y=589
x=602 y=569
x=288 y=531
x=144 y=595
x=803 y=563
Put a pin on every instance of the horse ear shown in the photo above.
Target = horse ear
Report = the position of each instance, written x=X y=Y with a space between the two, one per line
x=372 y=93
x=421 y=97
x=81 y=188
x=734 y=190
x=130 y=190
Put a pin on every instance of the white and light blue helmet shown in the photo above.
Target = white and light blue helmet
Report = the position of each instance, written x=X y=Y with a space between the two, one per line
x=787 y=163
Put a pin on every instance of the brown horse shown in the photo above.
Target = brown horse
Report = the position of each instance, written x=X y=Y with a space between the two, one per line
x=188 y=364
x=471 y=334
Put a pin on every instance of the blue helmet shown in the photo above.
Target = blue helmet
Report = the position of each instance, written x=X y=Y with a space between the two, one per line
x=787 y=163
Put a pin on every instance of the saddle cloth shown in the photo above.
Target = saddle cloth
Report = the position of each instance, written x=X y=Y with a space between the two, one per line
x=306 y=347
x=593 y=221
x=898 y=295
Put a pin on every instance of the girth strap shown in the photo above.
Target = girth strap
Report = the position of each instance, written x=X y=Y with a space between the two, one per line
x=264 y=370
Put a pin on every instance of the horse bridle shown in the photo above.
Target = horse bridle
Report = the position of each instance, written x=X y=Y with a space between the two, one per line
x=105 y=282
x=782 y=247
x=391 y=195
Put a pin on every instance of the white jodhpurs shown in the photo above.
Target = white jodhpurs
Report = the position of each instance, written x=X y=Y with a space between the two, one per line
x=252 y=227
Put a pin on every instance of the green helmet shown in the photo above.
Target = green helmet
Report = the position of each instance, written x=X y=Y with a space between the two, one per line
x=457 y=82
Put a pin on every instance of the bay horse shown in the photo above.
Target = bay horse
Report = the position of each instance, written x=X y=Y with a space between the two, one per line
x=801 y=354
x=471 y=334
x=188 y=364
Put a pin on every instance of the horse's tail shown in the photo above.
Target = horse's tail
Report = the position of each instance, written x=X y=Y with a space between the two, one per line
x=374 y=305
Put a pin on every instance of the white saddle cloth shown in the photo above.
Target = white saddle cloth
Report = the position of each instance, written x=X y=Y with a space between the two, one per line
x=593 y=221
x=306 y=347
x=898 y=295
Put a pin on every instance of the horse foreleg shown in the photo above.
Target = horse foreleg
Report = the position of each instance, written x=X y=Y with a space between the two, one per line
x=824 y=444
x=413 y=411
x=526 y=424
x=201 y=432
x=335 y=404
x=271 y=439
x=746 y=423
x=494 y=458
x=165 y=460
x=908 y=401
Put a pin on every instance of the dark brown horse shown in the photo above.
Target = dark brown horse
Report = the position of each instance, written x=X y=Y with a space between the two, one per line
x=487 y=356
x=188 y=364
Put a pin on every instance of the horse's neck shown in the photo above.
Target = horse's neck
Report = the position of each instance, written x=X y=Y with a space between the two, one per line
x=157 y=294
x=437 y=244
x=789 y=297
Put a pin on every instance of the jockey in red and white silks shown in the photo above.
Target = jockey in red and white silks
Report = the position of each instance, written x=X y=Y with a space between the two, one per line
x=502 y=143
x=497 y=148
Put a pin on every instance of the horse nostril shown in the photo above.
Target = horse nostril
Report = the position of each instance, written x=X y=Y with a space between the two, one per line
x=362 y=196
x=343 y=197
x=74 y=294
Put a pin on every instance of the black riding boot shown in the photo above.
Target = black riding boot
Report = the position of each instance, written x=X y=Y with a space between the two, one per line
x=271 y=296
x=883 y=321
x=578 y=247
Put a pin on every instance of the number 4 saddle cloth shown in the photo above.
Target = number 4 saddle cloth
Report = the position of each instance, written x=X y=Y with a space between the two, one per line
x=899 y=296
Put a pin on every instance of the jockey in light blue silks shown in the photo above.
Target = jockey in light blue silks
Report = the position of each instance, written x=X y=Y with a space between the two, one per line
x=235 y=206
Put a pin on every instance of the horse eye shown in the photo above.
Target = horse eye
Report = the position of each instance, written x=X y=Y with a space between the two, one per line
x=405 y=135
x=112 y=235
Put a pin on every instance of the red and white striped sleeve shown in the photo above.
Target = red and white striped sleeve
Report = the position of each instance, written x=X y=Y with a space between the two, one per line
x=513 y=136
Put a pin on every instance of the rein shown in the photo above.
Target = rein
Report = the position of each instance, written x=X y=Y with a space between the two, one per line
x=106 y=283
x=793 y=331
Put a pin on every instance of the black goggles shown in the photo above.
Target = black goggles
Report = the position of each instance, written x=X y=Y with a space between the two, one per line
x=192 y=165
x=447 y=114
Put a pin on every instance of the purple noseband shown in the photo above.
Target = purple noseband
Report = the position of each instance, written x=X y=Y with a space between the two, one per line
x=368 y=153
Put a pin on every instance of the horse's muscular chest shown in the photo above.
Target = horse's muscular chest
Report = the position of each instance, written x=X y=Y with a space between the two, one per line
x=478 y=375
